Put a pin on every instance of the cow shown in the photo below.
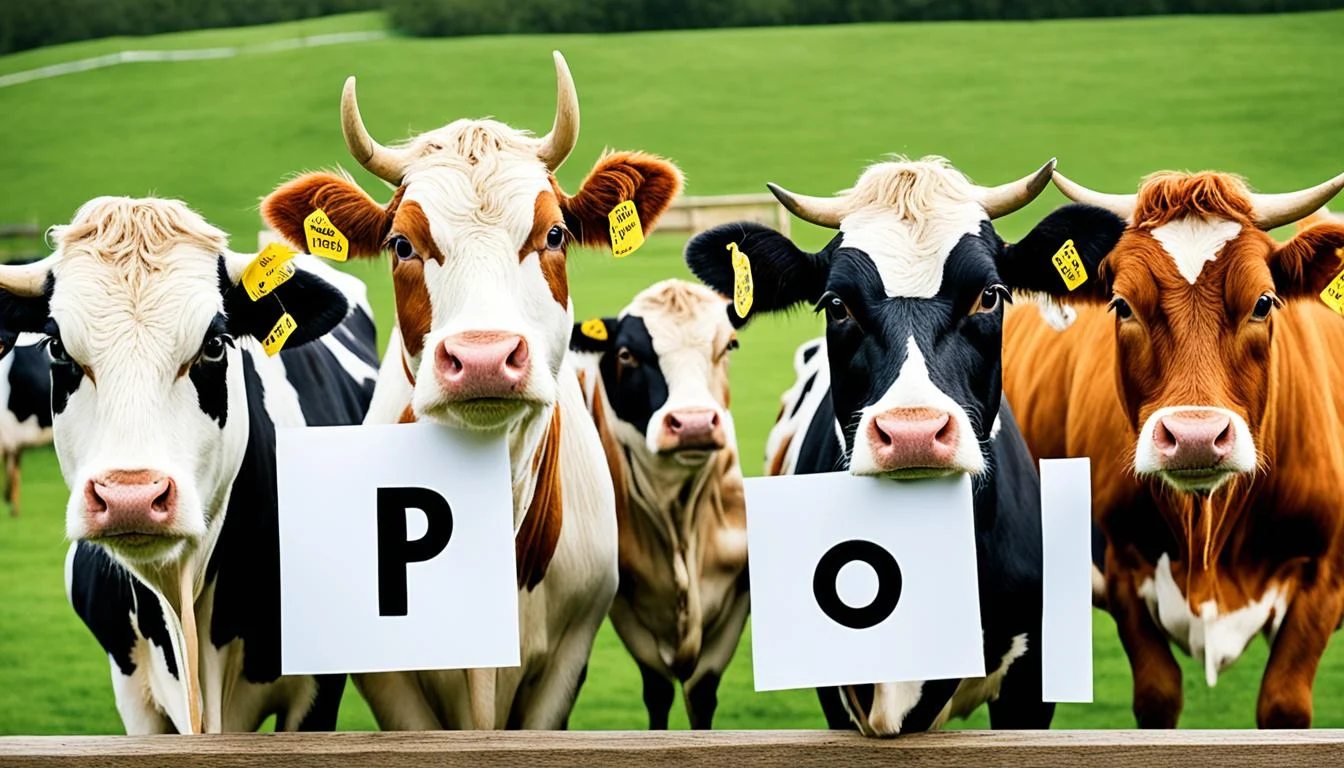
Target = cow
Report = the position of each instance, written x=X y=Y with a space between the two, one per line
x=477 y=232
x=25 y=392
x=1202 y=376
x=164 y=411
x=913 y=289
x=656 y=380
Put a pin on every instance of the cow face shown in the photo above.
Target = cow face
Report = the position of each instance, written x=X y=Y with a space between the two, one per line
x=146 y=330
x=664 y=368
x=477 y=233
x=1195 y=284
x=913 y=291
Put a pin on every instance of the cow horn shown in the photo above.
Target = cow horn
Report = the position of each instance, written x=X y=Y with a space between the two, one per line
x=1008 y=198
x=822 y=211
x=1121 y=205
x=1270 y=211
x=26 y=279
x=385 y=163
x=556 y=145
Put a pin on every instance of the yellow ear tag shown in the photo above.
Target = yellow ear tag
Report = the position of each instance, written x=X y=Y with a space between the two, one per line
x=626 y=232
x=268 y=271
x=1070 y=265
x=1333 y=295
x=594 y=329
x=744 y=290
x=279 y=334
x=324 y=239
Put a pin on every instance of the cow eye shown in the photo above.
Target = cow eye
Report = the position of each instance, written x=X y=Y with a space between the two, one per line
x=212 y=351
x=1263 y=306
x=835 y=307
x=990 y=299
x=1121 y=308
x=733 y=344
x=555 y=238
x=402 y=247
x=627 y=358
x=56 y=349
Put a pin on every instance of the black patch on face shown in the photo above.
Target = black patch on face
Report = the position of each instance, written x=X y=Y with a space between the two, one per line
x=104 y=594
x=66 y=376
x=30 y=385
x=635 y=388
x=211 y=380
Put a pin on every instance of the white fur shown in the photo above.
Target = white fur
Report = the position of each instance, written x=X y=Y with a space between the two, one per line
x=796 y=416
x=1243 y=458
x=1194 y=240
x=1214 y=639
x=914 y=389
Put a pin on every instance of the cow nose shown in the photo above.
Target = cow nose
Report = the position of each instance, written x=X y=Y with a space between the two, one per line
x=1193 y=439
x=130 y=501
x=906 y=438
x=693 y=429
x=480 y=364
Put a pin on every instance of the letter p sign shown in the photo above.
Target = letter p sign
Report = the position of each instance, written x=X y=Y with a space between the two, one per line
x=395 y=552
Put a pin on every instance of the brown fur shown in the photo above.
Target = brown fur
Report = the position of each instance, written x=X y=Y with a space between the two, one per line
x=650 y=181
x=1086 y=392
x=540 y=530
x=777 y=461
x=411 y=223
x=355 y=214
x=545 y=215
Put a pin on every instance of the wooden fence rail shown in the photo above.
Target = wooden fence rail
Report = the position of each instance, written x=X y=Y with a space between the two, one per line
x=738 y=749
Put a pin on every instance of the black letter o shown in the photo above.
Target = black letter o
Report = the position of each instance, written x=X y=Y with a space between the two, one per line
x=888 y=583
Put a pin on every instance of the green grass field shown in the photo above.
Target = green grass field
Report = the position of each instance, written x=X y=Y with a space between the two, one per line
x=807 y=107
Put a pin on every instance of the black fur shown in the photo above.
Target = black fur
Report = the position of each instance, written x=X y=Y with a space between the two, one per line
x=1026 y=266
x=783 y=275
x=316 y=306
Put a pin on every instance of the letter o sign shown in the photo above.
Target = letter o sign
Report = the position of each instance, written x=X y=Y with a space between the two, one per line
x=888 y=583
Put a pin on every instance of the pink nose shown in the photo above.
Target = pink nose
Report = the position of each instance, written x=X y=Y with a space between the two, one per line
x=482 y=364
x=130 y=501
x=1193 y=439
x=906 y=438
x=692 y=429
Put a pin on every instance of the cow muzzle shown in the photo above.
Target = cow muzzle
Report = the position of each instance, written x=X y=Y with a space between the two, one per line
x=131 y=510
x=691 y=429
x=482 y=365
x=914 y=442
x=1195 y=449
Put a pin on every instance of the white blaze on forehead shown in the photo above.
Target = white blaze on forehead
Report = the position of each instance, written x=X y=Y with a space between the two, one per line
x=908 y=216
x=1194 y=240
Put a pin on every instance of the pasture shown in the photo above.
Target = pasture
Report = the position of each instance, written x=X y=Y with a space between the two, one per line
x=806 y=107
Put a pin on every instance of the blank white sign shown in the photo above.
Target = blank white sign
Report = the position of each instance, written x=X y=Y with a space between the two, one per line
x=461 y=605
x=926 y=526
x=1066 y=627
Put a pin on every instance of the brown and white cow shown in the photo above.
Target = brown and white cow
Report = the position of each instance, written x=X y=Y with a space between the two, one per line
x=1211 y=402
x=477 y=231
x=656 y=379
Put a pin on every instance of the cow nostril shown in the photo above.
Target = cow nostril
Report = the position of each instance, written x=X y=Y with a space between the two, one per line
x=1163 y=437
x=1225 y=439
x=713 y=420
x=93 y=499
x=881 y=433
x=163 y=502
x=673 y=423
x=946 y=432
x=517 y=359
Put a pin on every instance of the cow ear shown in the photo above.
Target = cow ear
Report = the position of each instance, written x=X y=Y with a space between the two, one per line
x=782 y=274
x=593 y=335
x=1305 y=265
x=648 y=180
x=22 y=314
x=363 y=222
x=1029 y=265
x=316 y=305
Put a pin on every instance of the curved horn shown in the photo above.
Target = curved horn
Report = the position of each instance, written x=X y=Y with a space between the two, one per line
x=822 y=211
x=1272 y=211
x=387 y=164
x=1121 y=205
x=556 y=145
x=27 y=279
x=1015 y=195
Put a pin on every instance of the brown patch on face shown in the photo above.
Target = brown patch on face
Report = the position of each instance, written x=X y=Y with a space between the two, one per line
x=535 y=543
x=546 y=215
x=414 y=313
x=412 y=224
x=407 y=416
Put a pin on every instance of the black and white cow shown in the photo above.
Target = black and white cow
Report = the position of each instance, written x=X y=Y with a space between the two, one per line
x=165 y=410
x=25 y=405
x=913 y=289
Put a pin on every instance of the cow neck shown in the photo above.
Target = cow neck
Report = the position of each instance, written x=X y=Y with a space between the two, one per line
x=538 y=532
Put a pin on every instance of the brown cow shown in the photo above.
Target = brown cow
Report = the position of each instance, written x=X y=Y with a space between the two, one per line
x=1212 y=406
x=657 y=383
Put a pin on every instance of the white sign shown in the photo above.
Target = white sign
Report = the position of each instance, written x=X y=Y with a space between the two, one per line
x=1066 y=627
x=862 y=580
x=396 y=550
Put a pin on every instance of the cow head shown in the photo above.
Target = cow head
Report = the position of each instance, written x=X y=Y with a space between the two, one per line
x=664 y=368
x=147 y=328
x=913 y=289
x=477 y=232
x=1194 y=284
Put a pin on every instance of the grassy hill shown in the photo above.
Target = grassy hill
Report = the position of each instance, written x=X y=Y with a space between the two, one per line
x=807 y=107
